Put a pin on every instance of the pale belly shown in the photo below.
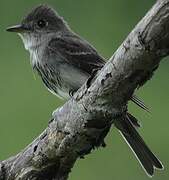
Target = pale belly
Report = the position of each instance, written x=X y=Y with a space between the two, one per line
x=60 y=79
x=61 y=94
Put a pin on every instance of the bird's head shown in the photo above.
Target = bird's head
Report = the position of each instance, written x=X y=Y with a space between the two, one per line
x=41 y=22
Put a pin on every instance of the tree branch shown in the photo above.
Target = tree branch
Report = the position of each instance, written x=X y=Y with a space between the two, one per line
x=83 y=122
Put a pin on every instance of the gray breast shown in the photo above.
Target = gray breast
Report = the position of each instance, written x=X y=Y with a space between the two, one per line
x=59 y=77
x=61 y=80
x=49 y=78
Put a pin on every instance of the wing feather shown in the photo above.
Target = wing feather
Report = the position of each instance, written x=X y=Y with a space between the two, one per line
x=77 y=52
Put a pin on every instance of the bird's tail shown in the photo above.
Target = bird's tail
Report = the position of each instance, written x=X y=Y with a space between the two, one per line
x=139 y=103
x=148 y=160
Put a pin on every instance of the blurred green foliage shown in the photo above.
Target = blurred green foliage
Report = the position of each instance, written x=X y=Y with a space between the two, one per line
x=26 y=106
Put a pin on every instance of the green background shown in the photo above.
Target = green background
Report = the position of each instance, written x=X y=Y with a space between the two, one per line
x=26 y=106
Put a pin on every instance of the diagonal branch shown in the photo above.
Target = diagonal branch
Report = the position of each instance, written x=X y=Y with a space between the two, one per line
x=83 y=122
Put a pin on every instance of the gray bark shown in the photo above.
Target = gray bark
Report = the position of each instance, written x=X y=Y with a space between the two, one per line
x=83 y=122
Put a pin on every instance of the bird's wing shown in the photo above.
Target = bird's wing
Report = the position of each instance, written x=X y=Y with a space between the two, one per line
x=80 y=54
x=76 y=52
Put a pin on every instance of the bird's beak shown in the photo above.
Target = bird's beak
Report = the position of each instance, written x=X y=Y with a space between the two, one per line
x=18 y=29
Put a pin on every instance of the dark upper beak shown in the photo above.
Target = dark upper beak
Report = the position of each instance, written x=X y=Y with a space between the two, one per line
x=18 y=29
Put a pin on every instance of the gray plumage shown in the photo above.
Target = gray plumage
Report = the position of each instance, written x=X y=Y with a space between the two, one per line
x=65 y=61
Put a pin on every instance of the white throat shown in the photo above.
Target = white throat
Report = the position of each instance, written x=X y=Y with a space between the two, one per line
x=35 y=45
x=31 y=42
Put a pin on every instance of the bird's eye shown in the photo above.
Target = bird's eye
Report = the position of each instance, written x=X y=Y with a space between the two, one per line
x=41 y=23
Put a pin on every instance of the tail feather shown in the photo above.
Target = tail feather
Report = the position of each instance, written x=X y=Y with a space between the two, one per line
x=133 y=120
x=140 y=103
x=147 y=159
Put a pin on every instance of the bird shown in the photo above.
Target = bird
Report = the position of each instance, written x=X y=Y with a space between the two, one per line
x=65 y=61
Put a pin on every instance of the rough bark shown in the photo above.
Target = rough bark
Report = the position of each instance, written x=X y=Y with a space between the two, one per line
x=83 y=122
